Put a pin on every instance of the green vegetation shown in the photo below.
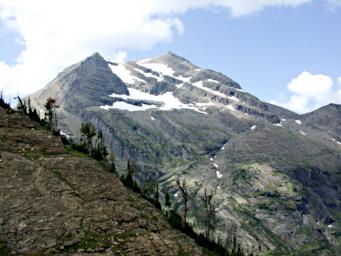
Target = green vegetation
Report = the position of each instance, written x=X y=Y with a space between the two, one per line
x=128 y=180
x=88 y=242
x=4 y=251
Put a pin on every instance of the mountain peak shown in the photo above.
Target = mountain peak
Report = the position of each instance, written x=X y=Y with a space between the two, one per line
x=333 y=105
x=172 y=57
x=95 y=56
x=327 y=108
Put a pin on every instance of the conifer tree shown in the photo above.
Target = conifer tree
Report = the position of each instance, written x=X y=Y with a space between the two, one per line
x=88 y=131
x=51 y=115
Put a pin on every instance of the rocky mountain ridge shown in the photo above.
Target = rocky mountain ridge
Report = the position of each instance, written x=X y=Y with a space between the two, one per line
x=276 y=173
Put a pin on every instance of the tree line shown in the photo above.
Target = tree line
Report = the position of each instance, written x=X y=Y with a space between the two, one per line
x=91 y=142
x=177 y=216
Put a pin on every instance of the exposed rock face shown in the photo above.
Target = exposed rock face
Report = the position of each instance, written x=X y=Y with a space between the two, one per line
x=59 y=202
x=277 y=173
x=327 y=118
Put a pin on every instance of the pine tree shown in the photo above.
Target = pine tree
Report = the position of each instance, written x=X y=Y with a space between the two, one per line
x=100 y=151
x=50 y=107
x=128 y=179
x=88 y=131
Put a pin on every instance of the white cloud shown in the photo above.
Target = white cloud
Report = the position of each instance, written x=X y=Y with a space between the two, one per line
x=310 y=92
x=120 y=56
x=334 y=3
x=57 y=33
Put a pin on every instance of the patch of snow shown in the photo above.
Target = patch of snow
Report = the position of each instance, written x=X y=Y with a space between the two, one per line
x=152 y=118
x=184 y=79
x=213 y=81
x=330 y=226
x=146 y=74
x=219 y=174
x=128 y=107
x=283 y=119
x=230 y=107
x=215 y=165
x=144 y=60
x=200 y=85
x=139 y=79
x=123 y=73
x=233 y=98
x=211 y=159
x=158 y=67
x=204 y=104
x=222 y=148
x=64 y=134
x=278 y=124
x=179 y=85
x=176 y=194
x=246 y=114
x=253 y=127
x=218 y=187
x=298 y=122
x=336 y=141
x=303 y=133
x=168 y=100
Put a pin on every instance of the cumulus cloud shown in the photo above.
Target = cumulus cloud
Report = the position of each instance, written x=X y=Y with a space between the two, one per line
x=311 y=91
x=57 y=33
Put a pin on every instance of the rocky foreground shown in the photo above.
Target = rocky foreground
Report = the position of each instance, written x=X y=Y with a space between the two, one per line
x=54 y=201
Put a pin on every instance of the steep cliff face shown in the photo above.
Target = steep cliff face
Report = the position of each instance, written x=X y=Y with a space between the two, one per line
x=276 y=173
x=54 y=201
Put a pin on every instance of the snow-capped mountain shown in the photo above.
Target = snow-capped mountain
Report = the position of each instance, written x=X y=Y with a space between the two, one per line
x=276 y=173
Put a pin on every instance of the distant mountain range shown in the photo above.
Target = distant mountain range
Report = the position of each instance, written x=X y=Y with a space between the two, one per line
x=276 y=173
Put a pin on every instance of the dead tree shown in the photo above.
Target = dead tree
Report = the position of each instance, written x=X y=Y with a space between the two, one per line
x=231 y=239
x=182 y=186
x=209 y=211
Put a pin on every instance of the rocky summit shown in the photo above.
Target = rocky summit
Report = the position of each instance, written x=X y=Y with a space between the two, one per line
x=276 y=174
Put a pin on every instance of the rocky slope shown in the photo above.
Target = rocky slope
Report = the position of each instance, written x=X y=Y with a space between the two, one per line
x=277 y=174
x=54 y=201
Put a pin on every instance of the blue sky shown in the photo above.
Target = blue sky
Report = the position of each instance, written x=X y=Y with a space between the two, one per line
x=290 y=55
